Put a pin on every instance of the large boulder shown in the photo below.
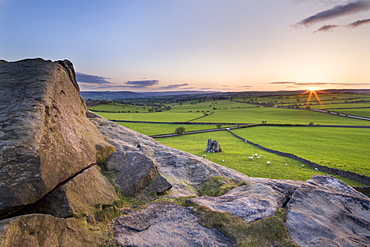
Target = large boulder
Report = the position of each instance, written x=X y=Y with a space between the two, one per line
x=45 y=137
x=133 y=172
x=83 y=194
x=166 y=224
x=46 y=230
x=327 y=212
x=249 y=202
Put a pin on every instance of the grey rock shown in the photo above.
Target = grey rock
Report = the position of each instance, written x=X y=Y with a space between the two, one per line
x=249 y=202
x=80 y=195
x=213 y=146
x=166 y=224
x=327 y=212
x=134 y=172
x=45 y=137
x=186 y=172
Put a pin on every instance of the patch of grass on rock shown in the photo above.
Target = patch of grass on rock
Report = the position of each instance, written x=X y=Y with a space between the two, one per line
x=270 y=231
x=217 y=186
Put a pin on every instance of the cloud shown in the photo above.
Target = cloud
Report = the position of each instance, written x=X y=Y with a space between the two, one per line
x=282 y=82
x=326 y=28
x=174 y=86
x=358 y=23
x=141 y=84
x=337 y=11
x=81 y=77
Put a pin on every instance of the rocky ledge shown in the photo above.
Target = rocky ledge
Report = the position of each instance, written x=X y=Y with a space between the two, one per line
x=53 y=193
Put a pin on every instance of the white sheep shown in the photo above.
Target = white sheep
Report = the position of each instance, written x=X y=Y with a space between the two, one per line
x=251 y=158
x=302 y=165
x=286 y=164
x=316 y=169
x=223 y=160
x=268 y=162
x=203 y=156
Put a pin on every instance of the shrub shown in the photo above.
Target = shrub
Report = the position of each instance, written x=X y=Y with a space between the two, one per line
x=180 y=130
x=219 y=126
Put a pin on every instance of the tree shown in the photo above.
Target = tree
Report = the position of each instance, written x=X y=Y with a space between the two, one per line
x=180 y=130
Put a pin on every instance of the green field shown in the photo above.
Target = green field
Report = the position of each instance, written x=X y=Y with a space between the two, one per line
x=158 y=129
x=342 y=148
x=235 y=155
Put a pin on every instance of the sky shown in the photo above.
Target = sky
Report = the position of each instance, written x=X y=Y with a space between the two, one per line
x=207 y=45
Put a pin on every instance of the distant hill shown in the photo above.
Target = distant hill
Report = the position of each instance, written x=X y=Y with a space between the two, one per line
x=108 y=95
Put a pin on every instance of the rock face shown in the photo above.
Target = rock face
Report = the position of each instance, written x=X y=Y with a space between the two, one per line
x=134 y=172
x=249 y=202
x=327 y=212
x=80 y=195
x=166 y=224
x=45 y=137
x=45 y=230
x=186 y=172
x=213 y=146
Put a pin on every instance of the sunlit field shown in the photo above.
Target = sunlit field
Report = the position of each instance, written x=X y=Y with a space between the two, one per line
x=235 y=155
x=342 y=148
x=158 y=129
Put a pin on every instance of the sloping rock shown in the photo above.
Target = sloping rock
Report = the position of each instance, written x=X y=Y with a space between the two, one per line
x=45 y=137
x=186 y=172
x=81 y=195
x=166 y=224
x=134 y=172
x=45 y=230
x=249 y=202
x=327 y=212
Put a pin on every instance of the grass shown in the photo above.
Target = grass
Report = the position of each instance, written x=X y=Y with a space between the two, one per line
x=270 y=231
x=235 y=155
x=279 y=116
x=157 y=129
x=342 y=148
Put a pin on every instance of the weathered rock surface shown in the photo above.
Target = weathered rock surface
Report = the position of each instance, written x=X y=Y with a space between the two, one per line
x=327 y=212
x=213 y=146
x=45 y=230
x=80 y=195
x=45 y=137
x=134 y=172
x=166 y=224
x=186 y=172
x=249 y=202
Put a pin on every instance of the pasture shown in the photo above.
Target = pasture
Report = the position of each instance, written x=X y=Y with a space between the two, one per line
x=235 y=154
x=342 y=148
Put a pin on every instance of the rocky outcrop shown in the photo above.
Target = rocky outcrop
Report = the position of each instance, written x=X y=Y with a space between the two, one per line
x=249 y=202
x=134 y=171
x=45 y=230
x=166 y=224
x=83 y=194
x=186 y=172
x=45 y=136
x=213 y=146
x=326 y=212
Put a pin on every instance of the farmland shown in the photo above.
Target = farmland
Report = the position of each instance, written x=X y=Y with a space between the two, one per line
x=338 y=147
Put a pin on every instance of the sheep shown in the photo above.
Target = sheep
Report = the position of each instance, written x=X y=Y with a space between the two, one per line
x=203 y=156
x=268 y=162
x=286 y=164
x=316 y=169
x=223 y=160
x=251 y=158
x=302 y=165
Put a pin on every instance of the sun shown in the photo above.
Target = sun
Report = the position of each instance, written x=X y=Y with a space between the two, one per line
x=312 y=89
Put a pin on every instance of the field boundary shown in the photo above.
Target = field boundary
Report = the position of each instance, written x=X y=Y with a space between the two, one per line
x=346 y=174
